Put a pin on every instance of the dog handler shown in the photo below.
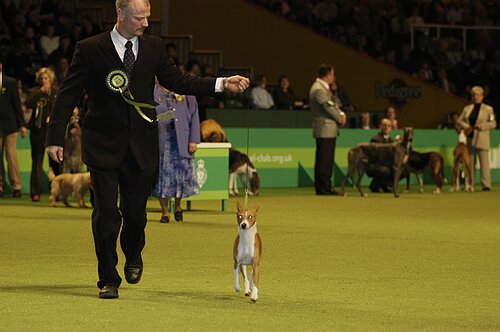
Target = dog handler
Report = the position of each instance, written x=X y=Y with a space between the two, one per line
x=477 y=120
x=117 y=69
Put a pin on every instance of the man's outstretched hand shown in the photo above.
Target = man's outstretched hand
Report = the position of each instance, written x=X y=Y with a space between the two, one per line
x=55 y=152
x=236 y=83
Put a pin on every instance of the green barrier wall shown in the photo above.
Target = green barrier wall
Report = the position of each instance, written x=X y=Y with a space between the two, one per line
x=284 y=157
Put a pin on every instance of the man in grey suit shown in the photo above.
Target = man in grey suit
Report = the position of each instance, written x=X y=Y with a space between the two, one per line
x=327 y=118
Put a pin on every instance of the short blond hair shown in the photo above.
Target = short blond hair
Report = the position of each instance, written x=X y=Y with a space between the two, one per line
x=477 y=89
x=49 y=72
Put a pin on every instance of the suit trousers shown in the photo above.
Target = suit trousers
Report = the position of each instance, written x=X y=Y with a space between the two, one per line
x=134 y=186
x=10 y=145
x=37 y=140
x=484 y=166
x=323 y=165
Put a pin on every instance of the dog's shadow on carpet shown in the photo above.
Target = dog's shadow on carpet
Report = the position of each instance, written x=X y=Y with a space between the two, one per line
x=72 y=290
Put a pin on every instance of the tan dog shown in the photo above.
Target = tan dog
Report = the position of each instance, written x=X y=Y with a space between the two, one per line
x=247 y=250
x=63 y=185
x=461 y=156
x=211 y=131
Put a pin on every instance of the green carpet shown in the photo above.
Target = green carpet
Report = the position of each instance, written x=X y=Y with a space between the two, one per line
x=419 y=262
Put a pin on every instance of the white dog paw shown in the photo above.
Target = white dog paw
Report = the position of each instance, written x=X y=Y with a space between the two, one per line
x=237 y=289
x=255 y=295
x=421 y=190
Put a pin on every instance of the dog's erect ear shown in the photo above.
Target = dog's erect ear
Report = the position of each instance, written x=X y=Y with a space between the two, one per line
x=257 y=208
x=238 y=206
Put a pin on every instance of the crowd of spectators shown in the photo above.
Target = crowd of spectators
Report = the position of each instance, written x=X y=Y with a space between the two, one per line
x=381 y=28
x=35 y=34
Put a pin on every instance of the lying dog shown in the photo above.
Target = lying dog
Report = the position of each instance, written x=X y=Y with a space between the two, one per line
x=247 y=250
x=72 y=162
x=393 y=155
x=461 y=157
x=63 y=185
x=240 y=165
x=418 y=162
x=211 y=131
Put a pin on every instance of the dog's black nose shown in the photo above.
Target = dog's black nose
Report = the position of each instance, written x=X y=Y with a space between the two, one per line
x=243 y=226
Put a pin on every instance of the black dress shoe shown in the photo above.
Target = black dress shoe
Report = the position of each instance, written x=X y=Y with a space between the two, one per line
x=178 y=216
x=165 y=219
x=16 y=193
x=486 y=189
x=133 y=273
x=108 y=292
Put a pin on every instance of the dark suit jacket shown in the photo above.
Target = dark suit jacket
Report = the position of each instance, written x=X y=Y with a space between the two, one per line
x=111 y=125
x=379 y=138
x=11 y=116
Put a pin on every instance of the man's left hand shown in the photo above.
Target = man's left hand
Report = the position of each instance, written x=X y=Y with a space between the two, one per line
x=192 y=147
x=236 y=83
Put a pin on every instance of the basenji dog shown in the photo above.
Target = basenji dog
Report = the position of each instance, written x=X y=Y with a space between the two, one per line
x=247 y=250
x=239 y=166
x=461 y=157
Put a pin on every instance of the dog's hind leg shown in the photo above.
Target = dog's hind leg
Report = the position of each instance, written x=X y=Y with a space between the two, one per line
x=233 y=190
x=361 y=172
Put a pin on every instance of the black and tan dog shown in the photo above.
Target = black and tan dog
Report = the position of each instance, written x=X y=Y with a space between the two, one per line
x=418 y=162
x=393 y=155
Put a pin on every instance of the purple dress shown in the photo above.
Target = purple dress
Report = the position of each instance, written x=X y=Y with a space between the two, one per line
x=176 y=177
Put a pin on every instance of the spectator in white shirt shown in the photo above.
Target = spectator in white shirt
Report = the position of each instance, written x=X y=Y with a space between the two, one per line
x=261 y=98
x=49 y=42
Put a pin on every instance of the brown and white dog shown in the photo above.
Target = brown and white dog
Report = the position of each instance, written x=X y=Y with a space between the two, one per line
x=239 y=166
x=247 y=250
x=461 y=157
x=63 y=185
x=211 y=131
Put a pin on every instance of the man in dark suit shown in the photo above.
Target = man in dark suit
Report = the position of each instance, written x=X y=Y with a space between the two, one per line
x=120 y=145
x=327 y=118
x=11 y=123
x=382 y=174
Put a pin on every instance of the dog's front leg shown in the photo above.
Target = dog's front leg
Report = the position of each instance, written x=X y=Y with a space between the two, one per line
x=397 y=174
x=420 y=182
x=232 y=185
x=236 y=278
x=255 y=282
x=246 y=282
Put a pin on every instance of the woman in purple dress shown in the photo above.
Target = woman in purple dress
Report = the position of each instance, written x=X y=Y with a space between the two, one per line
x=178 y=138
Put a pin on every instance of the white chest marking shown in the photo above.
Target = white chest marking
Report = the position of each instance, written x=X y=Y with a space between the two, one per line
x=246 y=245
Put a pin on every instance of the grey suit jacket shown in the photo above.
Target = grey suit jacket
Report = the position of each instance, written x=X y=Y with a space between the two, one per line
x=486 y=119
x=325 y=111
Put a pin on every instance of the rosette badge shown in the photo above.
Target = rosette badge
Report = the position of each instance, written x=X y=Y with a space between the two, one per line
x=117 y=80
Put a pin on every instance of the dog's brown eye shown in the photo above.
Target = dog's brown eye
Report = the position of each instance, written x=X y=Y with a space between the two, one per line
x=250 y=217
x=239 y=217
